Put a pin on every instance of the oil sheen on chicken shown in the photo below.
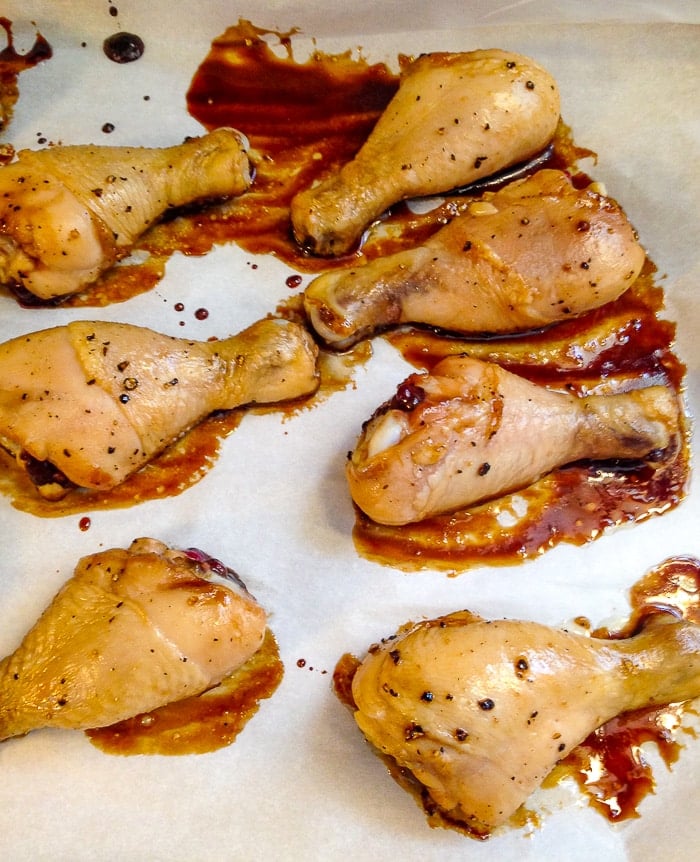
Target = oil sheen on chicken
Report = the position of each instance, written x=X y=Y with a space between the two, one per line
x=481 y=711
x=456 y=117
x=67 y=214
x=470 y=430
x=537 y=252
x=131 y=631
x=98 y=400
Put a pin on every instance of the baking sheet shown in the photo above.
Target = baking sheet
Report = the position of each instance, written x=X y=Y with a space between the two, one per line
x=300 y=782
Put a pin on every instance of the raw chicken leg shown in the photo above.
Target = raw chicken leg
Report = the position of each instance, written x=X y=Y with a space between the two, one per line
x=480 y=712
x=535 y=252
x=470 y=430
x=455 y=118
x=131 y=631
x=68 y=213
x=98 y=400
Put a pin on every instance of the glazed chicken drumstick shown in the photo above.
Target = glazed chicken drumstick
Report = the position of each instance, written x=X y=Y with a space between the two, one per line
x=97 y=400
x=470 y=430
x=536 y=252
x=481 y=711
x=67 y=214
x=131 y=631
x=455 y=119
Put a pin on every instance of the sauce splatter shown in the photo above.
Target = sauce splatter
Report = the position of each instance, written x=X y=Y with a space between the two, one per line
x=199 y=724
x=609 y=765
x=11 y=64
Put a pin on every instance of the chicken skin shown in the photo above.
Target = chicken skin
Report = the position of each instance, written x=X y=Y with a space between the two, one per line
x=481 y=711
x=131 y=631
x=98 y=400
x=536 y=252
x=455 y=119
x=470 y=431
x=67 y=214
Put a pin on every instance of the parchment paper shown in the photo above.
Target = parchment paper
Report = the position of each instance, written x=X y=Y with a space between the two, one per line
x=300 y=783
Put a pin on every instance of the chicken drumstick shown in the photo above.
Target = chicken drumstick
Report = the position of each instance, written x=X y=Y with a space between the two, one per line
x=67 y=214
x=470 y=431
x=454 y=119
x=536 y=252
x=131 y=631
x=481 y=711
x=98 y=399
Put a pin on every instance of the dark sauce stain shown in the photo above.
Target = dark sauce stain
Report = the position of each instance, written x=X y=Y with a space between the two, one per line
x=11 y=64
x=123 y=47
x=612 y=753
x=302 y=118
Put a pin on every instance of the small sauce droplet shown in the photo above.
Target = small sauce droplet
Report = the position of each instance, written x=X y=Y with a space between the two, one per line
x=293 y=281
x=108 y=128
x=123 y=47
x=201 y=314
x=84 y=523
x=179 y=306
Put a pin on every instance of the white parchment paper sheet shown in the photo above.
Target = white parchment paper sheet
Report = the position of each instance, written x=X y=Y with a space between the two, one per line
x=300 y=783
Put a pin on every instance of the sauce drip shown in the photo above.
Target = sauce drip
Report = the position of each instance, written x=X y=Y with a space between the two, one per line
x=11 y=64
x=123 y=47
x=203 y=723
x=609 y=765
